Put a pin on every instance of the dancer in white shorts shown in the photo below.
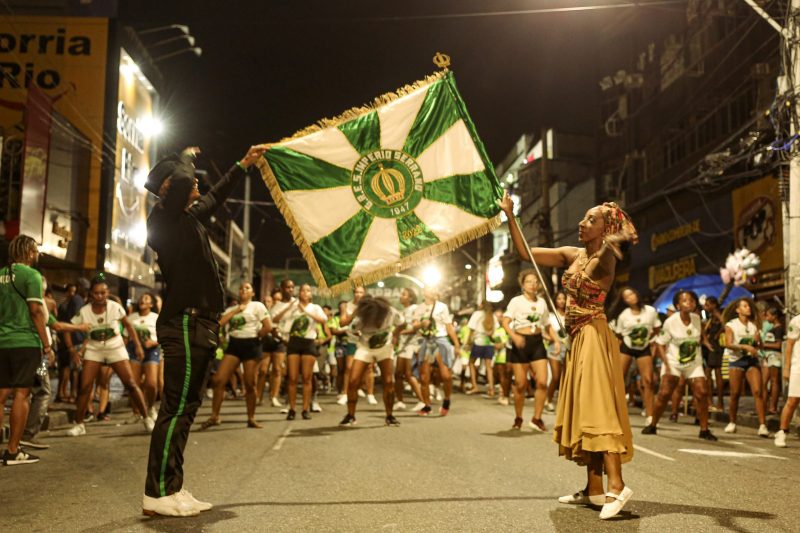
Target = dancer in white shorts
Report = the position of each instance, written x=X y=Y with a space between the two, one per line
x=678 y=344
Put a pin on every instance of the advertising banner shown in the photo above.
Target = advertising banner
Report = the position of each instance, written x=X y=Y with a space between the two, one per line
x=758 y=222
x=136 y=127
x=66 y=58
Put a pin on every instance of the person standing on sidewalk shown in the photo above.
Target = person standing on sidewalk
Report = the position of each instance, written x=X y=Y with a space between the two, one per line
x=188 y=325
x=23 y=338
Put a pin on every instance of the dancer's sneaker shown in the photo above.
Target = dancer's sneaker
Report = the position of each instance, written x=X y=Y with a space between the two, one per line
x=153 y=412
x=172 y=505
x=399 y=406
x=361 y=393
x=418 y=407
x=392 y=421
x=648 y=421
x=34 y=443
x=133 y=419
x=425 y=411
x=612 y=509
x=315 y=407
x=290 y=415
x=276 y=402
x=503 y=400
x=20 y=458
x=706 y=434
x=763 y=431
x=306 y=415
x=537 y=424
x=517 y=423
x=348 y=420
x=581 y=498
x=342 y=400
x=780 y=439
x=149 y=424
x=77 y=430
x=371 y=399
x=649 y=430
x=730 y=428
x=439 y=395
x=549 y=407
x=202 y=506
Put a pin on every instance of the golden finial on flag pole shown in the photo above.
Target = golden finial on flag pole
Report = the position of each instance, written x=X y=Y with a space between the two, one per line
x=441 y=60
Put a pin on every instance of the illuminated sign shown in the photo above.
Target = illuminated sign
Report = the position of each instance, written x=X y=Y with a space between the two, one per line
x=657 y=240
x=672 y=271
x=135 y=150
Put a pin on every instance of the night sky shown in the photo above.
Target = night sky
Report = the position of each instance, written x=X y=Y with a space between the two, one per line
x=271 y=68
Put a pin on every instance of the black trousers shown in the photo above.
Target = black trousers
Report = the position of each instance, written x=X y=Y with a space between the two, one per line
x=188 y=344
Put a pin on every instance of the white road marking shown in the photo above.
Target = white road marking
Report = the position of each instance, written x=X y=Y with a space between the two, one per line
x=281 y=439
x=651 y=452
x=723 y=453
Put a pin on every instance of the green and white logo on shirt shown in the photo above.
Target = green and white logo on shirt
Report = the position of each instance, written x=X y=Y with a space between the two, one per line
x=300 y=326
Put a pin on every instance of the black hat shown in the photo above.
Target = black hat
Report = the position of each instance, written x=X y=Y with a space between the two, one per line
x=173 y=164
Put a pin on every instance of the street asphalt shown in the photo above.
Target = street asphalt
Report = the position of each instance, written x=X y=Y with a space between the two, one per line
x=466 y=472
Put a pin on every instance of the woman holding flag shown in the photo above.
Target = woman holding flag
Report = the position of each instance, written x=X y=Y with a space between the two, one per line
x=592 y=426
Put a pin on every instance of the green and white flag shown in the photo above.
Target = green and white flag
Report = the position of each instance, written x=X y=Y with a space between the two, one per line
x=384 y=187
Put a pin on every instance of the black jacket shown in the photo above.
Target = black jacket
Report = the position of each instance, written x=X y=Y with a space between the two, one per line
x=179 y=237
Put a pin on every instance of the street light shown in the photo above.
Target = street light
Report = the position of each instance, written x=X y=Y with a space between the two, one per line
x=180 y=27
x=190 y=39
x=196 y=51
x=431 y=276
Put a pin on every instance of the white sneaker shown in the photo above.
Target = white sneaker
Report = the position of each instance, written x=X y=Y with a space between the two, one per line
x=644 y=413
x=763 y=431
x=342 y=399
x=649 y=420
x=315 y=407
x=133 y=419
x=276 y=402
x=418 y=407
x=187 y=496
x=780 y=439
x=361 y=393
x=612 y=509
x=730 y=428
x=400 y=406
x=581 y=498
x=149 y=424
x=172 y=505
x=153 y=412
x=371 y=399
x=503 y=400
x=549 y=407
x=209 y=395
x=439 y=395
x=77 y=430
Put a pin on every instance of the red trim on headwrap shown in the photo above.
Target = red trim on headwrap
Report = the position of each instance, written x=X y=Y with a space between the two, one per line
x=617 y=220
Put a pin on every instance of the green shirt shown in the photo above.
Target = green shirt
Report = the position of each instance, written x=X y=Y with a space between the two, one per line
x=16 y=326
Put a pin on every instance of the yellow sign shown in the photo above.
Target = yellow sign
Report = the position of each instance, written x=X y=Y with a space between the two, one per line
x=66 y=57
x=657 y=240
x=671 y=271
x=757 y=221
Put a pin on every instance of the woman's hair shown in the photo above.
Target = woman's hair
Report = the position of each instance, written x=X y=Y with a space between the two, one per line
x=730 y=311
x=677 y=298
x=275 y=291
x=20 y=248
x=372 y=311
x=556 y=295
x=525 y=273
x=634 y=291
x=713 y=300
x=412 y=295
x=153 y=302
x=99 y=279
x=488 y=316
x=776 y=312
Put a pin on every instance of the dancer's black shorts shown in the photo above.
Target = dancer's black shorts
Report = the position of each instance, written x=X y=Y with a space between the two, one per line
x=623 y=348
x=302 y=346
x=244 y=349
x=533 y=351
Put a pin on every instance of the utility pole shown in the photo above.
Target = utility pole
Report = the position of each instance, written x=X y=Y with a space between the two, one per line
x=790 y=212
x=791 y=242
x=546 y=234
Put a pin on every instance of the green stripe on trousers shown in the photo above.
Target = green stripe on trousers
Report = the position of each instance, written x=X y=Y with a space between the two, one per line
x=187 y=375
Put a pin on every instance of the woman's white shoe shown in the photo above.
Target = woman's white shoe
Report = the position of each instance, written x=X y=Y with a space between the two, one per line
x=612 y=509
x=581 y=498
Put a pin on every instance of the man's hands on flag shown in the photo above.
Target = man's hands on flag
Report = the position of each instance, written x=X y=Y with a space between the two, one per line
x=253 y=154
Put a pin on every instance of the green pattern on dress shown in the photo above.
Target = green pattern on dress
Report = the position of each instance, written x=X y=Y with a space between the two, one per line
x=300 y=326
x=687 y=351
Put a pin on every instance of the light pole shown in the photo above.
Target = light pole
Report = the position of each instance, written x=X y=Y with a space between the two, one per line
x=180 y=27
x=196 y=51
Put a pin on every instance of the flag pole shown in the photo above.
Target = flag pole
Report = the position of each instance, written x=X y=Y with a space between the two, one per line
x=548 y=298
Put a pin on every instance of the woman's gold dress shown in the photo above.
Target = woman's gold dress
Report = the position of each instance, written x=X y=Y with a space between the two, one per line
x=592 y=413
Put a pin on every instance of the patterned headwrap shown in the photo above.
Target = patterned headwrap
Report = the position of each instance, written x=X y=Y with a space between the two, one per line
x=617 y=220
